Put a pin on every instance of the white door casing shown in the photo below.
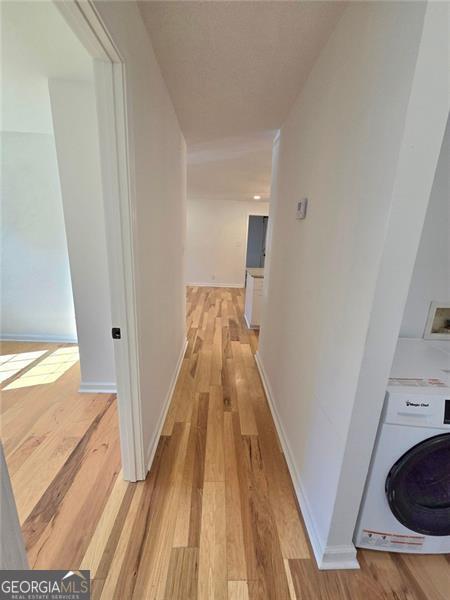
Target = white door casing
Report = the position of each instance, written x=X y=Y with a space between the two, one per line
x=118 y=196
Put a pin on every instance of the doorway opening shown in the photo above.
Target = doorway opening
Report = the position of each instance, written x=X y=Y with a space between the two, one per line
x=254 y=269
x=66 y=94
x=57 y=356
x=256 y=241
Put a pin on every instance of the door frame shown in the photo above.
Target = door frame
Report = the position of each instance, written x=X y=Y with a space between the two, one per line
x=13 y=554
x=117 y=167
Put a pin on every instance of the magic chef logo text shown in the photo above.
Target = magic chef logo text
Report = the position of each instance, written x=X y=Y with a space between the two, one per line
x=73 y=585
x=408 y=403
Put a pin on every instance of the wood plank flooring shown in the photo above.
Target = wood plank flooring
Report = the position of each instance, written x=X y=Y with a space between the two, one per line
x=60 y=446
x=216 y=517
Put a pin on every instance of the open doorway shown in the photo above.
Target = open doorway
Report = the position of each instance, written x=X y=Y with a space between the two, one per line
x=95 y=182
x=57 y=357
x=62 y=238
x=55 y=273
x=256 y=241
x=254 y=269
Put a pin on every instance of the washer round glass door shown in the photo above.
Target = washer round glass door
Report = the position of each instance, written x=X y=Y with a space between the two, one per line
x=418 y=487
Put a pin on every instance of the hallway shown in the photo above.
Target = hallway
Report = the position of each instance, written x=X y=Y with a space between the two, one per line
x=217 y=507
x=158 y=131
x=216 y=517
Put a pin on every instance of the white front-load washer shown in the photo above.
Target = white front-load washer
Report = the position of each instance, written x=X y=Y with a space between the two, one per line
x=406 y=503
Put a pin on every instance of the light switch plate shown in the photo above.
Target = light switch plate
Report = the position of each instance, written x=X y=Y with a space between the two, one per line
x=302 y=206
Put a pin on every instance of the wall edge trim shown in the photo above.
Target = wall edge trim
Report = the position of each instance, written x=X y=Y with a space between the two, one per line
x=88 y=387
x=36 y=337
x=215 y=284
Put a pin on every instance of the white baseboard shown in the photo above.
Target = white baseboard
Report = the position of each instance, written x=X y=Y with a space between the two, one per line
x=215 y=284
x=327 y=557
x=31 y=337
x=150 y=454
x=87 y=387
x=248 y=324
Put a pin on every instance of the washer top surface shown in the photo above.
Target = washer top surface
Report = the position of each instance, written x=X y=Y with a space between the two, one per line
x=420 y=364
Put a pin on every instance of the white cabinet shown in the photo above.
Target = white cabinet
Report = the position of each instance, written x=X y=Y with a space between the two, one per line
x=253 y=297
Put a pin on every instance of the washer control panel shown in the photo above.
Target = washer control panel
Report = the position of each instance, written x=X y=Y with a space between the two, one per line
x=417 y=409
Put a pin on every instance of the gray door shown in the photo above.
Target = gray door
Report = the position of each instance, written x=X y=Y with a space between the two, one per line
x=256 y=241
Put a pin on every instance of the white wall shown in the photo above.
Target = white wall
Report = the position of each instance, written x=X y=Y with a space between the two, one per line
x=345 y=147
x=431 y=277
x=76 y=133
x=37 y=44
x=159 y=213
x=21 y=81
x=36 y=294
x=36 y=299
x=216 y=243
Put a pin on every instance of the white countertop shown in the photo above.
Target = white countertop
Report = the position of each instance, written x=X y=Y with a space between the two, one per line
x=255 y=272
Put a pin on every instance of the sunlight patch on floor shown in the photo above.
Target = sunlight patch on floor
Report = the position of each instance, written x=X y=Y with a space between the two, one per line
x=48 y=370
x=11 y=364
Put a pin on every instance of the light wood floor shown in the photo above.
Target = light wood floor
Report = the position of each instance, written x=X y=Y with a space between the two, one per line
x=216 y=517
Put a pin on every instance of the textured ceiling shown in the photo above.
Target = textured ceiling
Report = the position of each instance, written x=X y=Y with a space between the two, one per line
x=233 y=70
x=236 y=67
x=231 y=169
